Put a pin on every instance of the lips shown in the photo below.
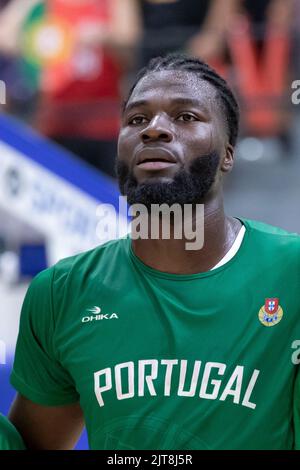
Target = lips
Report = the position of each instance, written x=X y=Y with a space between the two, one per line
x=155 y=158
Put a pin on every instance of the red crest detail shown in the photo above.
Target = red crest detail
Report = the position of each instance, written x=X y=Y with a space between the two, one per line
x=271 y=305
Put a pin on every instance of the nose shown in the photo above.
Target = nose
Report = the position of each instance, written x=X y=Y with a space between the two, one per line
x=157 y=130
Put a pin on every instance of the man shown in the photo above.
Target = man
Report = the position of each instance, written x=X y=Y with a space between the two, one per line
x=158 y=346
x=9 y=437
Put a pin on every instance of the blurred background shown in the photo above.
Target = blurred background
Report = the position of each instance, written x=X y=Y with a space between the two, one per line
x=65 y=67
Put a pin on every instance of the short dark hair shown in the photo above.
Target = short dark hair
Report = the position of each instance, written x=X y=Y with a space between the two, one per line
x=202 y=70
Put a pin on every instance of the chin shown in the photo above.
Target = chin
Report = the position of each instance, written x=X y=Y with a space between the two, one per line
x=161 y=176
x=155 y=179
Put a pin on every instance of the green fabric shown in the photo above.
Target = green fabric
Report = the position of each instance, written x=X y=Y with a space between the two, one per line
x=171 y=361
x=297 y=409
x=9 y=437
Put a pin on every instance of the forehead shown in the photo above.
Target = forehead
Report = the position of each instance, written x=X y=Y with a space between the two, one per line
x=165 y=85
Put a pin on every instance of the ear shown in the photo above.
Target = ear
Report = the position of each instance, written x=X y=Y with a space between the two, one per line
x=228 y=159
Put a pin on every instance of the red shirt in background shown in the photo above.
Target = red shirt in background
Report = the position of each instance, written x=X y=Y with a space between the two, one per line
x=80 y=94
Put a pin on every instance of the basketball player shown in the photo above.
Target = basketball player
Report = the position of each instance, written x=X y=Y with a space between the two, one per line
x=152 y=345
x=9 y=437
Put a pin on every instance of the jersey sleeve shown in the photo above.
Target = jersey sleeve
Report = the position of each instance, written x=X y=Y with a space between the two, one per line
x=37 y=372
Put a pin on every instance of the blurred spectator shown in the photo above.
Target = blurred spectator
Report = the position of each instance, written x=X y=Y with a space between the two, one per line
x=268 y=15
x=81 y=44
x=296 y=43
x=12 y=15
x=260 y=44
x=20 y=93
x=197 y=27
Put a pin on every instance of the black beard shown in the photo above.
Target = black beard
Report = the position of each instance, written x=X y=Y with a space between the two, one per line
x=188 y=186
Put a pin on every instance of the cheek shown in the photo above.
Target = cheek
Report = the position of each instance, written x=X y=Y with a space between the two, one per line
x=219 y=135
x=199 y=141
x=126 y=143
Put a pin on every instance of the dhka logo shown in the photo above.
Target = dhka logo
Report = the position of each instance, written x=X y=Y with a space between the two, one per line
x=97 y=315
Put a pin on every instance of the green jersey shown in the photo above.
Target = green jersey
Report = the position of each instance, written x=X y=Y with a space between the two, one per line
x=9 y=436
x=165 y=361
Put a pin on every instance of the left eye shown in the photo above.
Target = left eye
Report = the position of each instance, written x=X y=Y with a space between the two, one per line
x=187 y=117
x=137 y=120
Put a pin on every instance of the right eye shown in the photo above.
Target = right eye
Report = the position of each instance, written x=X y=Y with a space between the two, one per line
x=137 y=120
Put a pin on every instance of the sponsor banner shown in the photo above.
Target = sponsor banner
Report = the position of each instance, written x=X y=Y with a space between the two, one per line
x=64 y=211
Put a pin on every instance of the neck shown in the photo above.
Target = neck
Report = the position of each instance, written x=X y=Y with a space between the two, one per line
x=172 y=255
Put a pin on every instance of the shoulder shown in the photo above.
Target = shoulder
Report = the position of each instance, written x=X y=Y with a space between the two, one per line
x=267 y=229
x=272 y=236
x=52 y=292
x=273 y=248
x=93 y=260
x=90 y=263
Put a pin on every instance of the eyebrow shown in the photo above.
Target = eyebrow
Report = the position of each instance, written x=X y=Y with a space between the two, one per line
x=175 y=101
